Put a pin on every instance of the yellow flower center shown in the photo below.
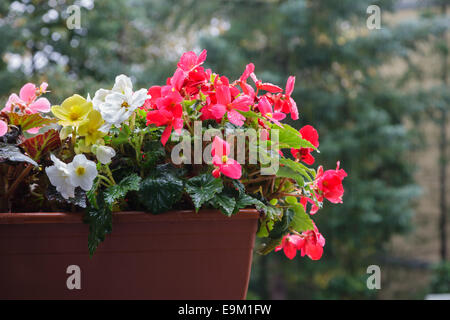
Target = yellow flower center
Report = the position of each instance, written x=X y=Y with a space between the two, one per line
x=269 y=115
x=125 y=105
x=80 y=171
x=75 y=113
x=224 y=159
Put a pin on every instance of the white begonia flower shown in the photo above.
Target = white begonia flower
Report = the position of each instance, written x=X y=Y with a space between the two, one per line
x=105 y=154
x=99 y=98
x=59 y=176
x=82 y=172
x=118 y=104
x=123 y=85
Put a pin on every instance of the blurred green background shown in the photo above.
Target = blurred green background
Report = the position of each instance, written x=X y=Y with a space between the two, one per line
x=379 y=99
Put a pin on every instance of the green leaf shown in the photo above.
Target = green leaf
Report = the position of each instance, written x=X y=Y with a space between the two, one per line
x=100 y=223
x=153 y=151
x=245 y=201
x=286 y=172
x=120 y=190
x=288 y=137
x=239 y=186
x=291 y=138
x=224 y=202
x=29 y=121
x=281 y=227
x=251 y=114
x=273 y=212
x=120 y=136
x=203 y=188
x=92 y=194
x=301 y=220
x=159 y=192
x=264 y=228
x=40 y=145
x=268 y=246
x=12 y=153
x=306 y=172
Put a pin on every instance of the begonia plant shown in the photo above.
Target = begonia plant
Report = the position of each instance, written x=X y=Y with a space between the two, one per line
x=199 y=141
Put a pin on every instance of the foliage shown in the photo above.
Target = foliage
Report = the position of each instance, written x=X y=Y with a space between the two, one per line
x=121 y=144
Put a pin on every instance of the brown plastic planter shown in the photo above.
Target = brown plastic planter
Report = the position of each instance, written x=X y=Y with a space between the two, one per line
x=175 y=255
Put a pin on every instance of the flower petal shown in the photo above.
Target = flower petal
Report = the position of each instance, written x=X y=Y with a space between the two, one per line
x=28 y=93
x=40 y=105
x=3 y=128
x=236 y=118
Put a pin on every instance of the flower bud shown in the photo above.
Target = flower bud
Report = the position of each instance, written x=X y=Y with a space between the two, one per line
x=104 y=154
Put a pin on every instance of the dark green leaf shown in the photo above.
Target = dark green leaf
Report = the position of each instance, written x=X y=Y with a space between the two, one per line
x=159 y=192
x=120 y=190
x=203 y=188
x=269 y=246
x=281 y=227
x=224 y=202
x=100 y=223
x=245 y=201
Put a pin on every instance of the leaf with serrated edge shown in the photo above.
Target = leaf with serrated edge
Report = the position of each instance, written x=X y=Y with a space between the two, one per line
x=224 y=202
x=160 y=192
x=301 y=221
x=40 y=145
x=203 y=188
x=29 y=121
x=120 y=190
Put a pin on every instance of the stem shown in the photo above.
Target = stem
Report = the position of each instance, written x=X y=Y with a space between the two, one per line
x=74 y=137
x=132 y=121
x=110 y=175
x=16 y=183
x=257 y=180
x=110 y=183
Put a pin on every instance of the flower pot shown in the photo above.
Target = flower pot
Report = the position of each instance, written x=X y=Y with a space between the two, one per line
x=175 y=255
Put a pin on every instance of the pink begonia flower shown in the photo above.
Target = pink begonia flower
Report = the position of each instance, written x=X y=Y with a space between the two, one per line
x=310 y=243
x=3 y=128
x=266 y=86
x=286 y=104
x=329 y=183
x=225 y=105
x=190 y=61
x=290 y=244
x=304 y=154
x=267 y=112
x=169 y=113
x=289 y=101
x=314 y=208
x=313 y=244
x=224 y=165
x=27 y=101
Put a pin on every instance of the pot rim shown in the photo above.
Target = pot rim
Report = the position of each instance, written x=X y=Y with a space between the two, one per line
x=124 y=216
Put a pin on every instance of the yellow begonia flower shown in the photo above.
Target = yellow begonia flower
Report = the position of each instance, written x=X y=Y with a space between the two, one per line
x=73 y=111
x=90 y=128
